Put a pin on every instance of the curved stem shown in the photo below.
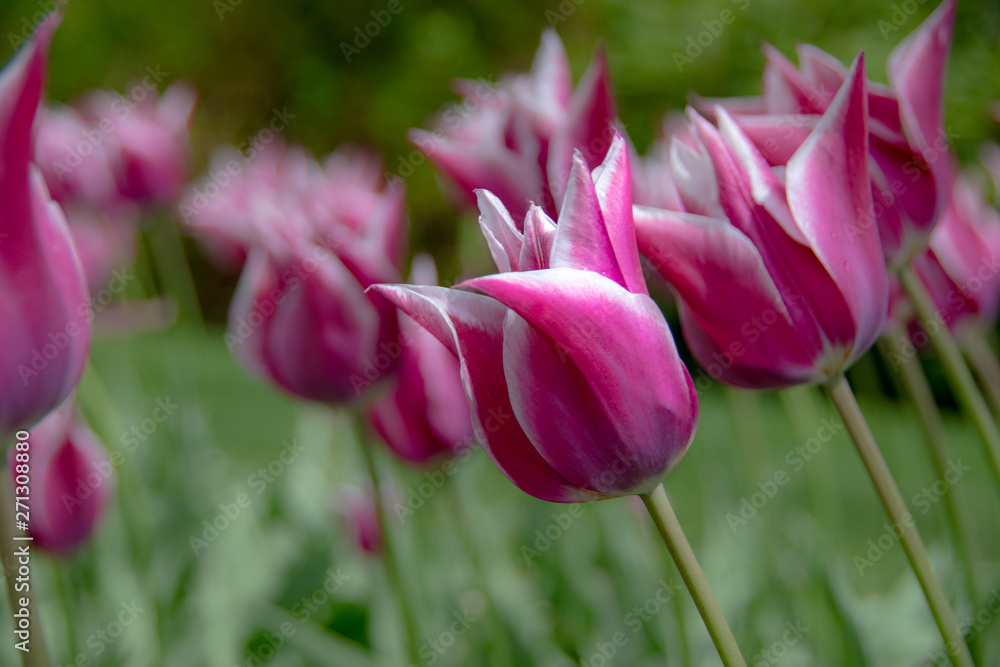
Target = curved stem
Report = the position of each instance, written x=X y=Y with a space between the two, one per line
x=843 y=398
x=918 y=390
x=694 y=578
x=959 y=377
x=389 y=555
x=984 y=364
x=12 y=539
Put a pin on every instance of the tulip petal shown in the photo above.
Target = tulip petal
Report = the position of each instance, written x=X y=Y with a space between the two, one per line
x=778 y=137
x=721 y=278
x=471 y=326
x=695 y=180
x=786 y=90
x=539 y=236
x=613 y=183
x=582 y=238
x=623 y=396
x=829 y=193
x=825 y=73
x=502 y=235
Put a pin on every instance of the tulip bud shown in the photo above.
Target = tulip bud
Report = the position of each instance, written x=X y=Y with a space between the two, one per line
x=425 y=414
x=358 y=511
x=70 y=482
x=43 y=295
x=575 y=386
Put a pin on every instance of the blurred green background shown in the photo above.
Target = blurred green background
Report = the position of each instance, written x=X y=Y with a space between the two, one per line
x=226 y=605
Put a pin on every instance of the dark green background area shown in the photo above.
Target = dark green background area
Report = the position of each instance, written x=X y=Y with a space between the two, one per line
x=253 y=56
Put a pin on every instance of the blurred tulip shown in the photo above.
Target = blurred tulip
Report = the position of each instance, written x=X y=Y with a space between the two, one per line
x=146 y=140
x=576 y=389
x=961 y=269
x=71 y=480
x=300 y=316
x=790 y=286
x=908 y=143
x=425 y=415
x=104 y=242
x=359 y=512
x=75 y=164
x=43 y=296
x=517 y=139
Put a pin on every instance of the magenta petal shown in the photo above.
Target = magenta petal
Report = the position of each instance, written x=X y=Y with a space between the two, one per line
x=825 y=73
x=502 y=235
x=551 y=80
x=471 y=326
x=720 y=277
x=589 y=127
x=539 y=236
x=582 y=240
x=695 y=180
x=778 y=137
x=613 y=183
x=594 y=377
x=916 y=72
x=786 y=90
x=829 y=193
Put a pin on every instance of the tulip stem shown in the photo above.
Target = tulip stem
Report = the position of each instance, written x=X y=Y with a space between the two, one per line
x=917 y=388
x=984 y=364
x=37 y=656
x=843 y=398
x=962 y=384
x=680 y=550
x=390 y=558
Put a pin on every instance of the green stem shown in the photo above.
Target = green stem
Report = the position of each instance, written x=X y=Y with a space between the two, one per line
x=62 y=573
x=680 y=550
x=389 y=555
x=10 y=541
x=984 y=364
x=955 y=368
x=917 y=388
x=843 y=398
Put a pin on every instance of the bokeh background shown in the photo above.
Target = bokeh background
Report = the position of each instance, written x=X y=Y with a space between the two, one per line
x=232 y=602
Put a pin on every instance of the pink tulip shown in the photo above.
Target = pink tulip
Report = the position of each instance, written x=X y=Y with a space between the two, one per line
x=300 y=316
x=517 y=139
x=908 y=144
x=425 y=415
x=575 y=386
x=105 y=241
x=76 y=166
x=359 y=513
x=146 y=141
x=70 y=483
x=43 y=295
x=789 y=285
x=961 y=269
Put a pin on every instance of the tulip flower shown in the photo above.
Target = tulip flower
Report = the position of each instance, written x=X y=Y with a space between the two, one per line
x=359 y=512
x=576 y=389
x=908 y=143
x=960 y=268
x=43 y=295
x=425 y=415
x=70 y=483
x=517 y=139
x=790 y=286
x=300 y=316
x=105 y=241
x=74 y=158
x=147 y=140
